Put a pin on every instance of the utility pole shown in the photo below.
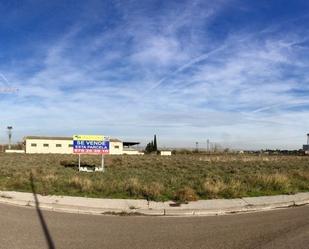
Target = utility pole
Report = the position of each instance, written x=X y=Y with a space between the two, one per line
x=208 y=145
x=10 y=128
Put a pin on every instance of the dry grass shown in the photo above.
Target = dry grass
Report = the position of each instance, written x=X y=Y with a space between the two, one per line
x=81 y=183
x=180 y=177
x=212 y=188
x=186 y=194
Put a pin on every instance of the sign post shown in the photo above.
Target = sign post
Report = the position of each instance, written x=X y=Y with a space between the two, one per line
x=90 y=144
x=78 y=162
x=102 y=163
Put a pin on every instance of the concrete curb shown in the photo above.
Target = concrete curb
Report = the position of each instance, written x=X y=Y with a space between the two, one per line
x=96 y=206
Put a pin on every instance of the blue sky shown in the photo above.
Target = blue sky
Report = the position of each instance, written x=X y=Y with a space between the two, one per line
x=235 y=72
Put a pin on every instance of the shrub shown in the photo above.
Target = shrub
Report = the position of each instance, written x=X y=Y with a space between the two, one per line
x=153 y=191
x=274 y=182
x=212 y=188
x=80 y=183
x=133 y=187
x=186 y=194
x=233 y=189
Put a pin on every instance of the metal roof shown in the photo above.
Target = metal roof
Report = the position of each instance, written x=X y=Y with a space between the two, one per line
x=130 y=143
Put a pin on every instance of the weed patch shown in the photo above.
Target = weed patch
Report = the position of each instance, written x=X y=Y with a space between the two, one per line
x=182 y=178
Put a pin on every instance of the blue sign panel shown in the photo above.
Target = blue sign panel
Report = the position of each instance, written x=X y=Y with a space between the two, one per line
x=90 y=147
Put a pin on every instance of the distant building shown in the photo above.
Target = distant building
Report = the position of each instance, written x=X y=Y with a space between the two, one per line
x=64 y=145
x=165 y=153
x=129 y=148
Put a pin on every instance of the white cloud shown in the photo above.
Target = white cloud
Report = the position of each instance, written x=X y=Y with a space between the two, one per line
x=159 y=74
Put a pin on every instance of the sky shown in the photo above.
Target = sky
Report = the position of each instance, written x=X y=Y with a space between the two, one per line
x=235 y=72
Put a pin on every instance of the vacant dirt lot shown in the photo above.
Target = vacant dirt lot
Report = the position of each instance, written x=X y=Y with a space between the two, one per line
x=180 y=177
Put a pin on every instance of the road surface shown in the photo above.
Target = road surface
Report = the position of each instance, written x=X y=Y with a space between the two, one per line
x=22 y=227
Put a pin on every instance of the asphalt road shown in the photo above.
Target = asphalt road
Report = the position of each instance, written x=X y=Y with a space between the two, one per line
x=22 y=227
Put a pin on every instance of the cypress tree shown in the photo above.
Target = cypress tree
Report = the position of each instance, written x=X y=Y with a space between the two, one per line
x=147 y=149
x=155 y=148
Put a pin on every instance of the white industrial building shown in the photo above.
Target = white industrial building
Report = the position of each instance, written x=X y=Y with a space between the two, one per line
x=45 y=145
x=64 y=145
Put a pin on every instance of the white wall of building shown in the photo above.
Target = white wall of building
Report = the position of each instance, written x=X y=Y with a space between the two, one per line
x=15 y=151
x=46 y=146
x=115 y=147
x=62 y=146
x=132 y=152
x=165 y=153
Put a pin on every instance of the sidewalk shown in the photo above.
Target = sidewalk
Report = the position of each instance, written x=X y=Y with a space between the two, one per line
x=113 y=206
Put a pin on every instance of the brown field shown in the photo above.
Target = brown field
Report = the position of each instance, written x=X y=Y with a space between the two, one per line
x=179 y=177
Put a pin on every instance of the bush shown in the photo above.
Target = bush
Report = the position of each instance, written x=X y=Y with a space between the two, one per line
x=153 y=191
x=186 y=194
x=133 y=187
x=212 y=188
x=82 y=184
x=275 y=182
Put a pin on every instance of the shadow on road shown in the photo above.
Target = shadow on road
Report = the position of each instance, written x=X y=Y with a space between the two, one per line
x=48 y=237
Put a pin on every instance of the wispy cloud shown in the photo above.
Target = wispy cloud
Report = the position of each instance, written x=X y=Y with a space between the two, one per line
x=175 y=69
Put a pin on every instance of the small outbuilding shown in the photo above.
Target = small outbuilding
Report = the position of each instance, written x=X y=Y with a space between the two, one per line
x=165 y=153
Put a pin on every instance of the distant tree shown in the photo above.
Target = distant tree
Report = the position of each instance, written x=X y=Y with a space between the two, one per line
x=152 y=146
x=148 y=148
x=155 y=147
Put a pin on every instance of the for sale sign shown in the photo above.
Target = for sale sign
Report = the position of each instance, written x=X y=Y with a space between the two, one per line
x=90 y=144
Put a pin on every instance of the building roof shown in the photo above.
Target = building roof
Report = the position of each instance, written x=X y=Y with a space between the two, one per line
x=130 y=143
x=48 y=138
x=114 y=140
x=60 y=138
